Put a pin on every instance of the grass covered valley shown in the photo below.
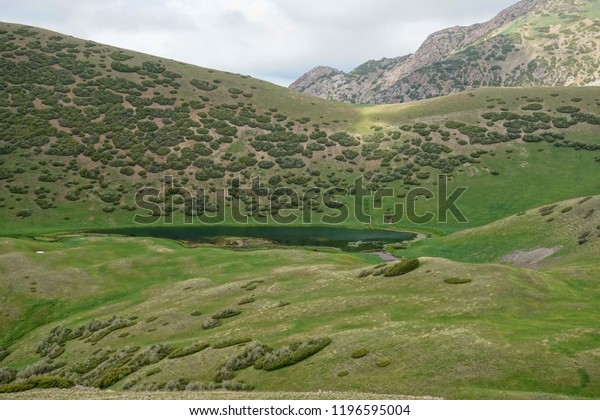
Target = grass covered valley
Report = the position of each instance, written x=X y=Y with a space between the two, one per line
x=498 y=301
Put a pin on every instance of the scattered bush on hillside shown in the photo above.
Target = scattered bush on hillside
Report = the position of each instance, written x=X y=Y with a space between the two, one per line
x=379 y=271
x=189 y=350
x=343 y=373
x=383 y=363
x=226 y=313
x=241 y=361
x=203 y=85
x=7 y=375
x=44 y=382
x=231 y=342
x=568 y=109
x=548 y=210
x=292 y=354
x=567 y=209
x=401 y=268
x=365 y=273
x=246 y=301
x=92 y=361
x=120 y=56
x=457 y=280
x=359 y=353
x=211 y=323
x=40 y=368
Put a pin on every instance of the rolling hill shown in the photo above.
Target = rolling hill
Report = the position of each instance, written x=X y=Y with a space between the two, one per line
x=85 y=127
x=532 y=43
x=504 y=305
x=134 y=314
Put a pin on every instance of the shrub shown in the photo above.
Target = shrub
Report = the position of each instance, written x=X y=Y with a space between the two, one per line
x=189 y=350
x=113 y=376
x=457 y=280
x=365 y=273
x=16 y=387
x=566 y=209
x=383 y=363
x=154 y=371
x=226 y=313
x=241 y=361
x=3 y=354
x=196 y=313
x=119 y=56
x=359 y=353
x=290 y=355
x=52 y=382
x=568 y=109
x=533 y=107
x=379 y=272
x=7 y=375
x=40 y=368
x=343 y=374
x=92 y=361
x=210 y=323
x=203 y=85
x=402 y=268
x=231 y=342
x=246 y=301
x=22 y=214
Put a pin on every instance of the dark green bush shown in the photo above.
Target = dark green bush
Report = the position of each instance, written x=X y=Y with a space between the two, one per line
x=241 y=361
x=44 y=382
x=290 y=355
x=203 y=85
x=457 y=280
x=226 y=313
x=231 y=342
x=7 y=375
x=357 y=354
x=383 y=363
x=211 y=323
x=246 y=301
x=189 y=350
x=401 y=268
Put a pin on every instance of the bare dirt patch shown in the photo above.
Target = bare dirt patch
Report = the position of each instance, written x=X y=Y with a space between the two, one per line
x=529 y=258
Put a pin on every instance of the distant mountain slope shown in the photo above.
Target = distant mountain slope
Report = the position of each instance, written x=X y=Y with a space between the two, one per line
x=84 y=127
x=533 y=43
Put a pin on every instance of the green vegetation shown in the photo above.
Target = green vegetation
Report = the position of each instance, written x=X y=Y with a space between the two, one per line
x=121 y=313
x=359 y=353
x=290 y=355
x=402 y=268
x=189 y=350
x=457 y=280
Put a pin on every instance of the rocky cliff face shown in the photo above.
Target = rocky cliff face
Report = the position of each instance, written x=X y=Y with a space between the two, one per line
x=532 y=43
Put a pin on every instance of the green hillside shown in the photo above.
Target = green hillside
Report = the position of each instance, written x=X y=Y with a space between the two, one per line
x=501 y=305
x=447 y=329
x=84 y=126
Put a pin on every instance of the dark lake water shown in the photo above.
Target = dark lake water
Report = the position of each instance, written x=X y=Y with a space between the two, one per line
x=342 y=238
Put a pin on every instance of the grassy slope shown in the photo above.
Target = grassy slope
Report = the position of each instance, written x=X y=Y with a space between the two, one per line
x=526 y=231
x=524 y=174
x=511 y=333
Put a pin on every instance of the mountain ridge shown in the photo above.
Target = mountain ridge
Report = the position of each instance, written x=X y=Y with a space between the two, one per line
x=511 y=50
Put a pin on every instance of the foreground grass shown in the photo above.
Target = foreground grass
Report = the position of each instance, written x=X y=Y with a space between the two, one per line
x=510 y=333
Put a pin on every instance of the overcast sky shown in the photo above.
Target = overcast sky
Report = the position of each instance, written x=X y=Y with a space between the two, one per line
x=275 y=40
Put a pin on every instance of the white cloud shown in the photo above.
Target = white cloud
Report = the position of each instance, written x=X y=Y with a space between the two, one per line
x=276 y=40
